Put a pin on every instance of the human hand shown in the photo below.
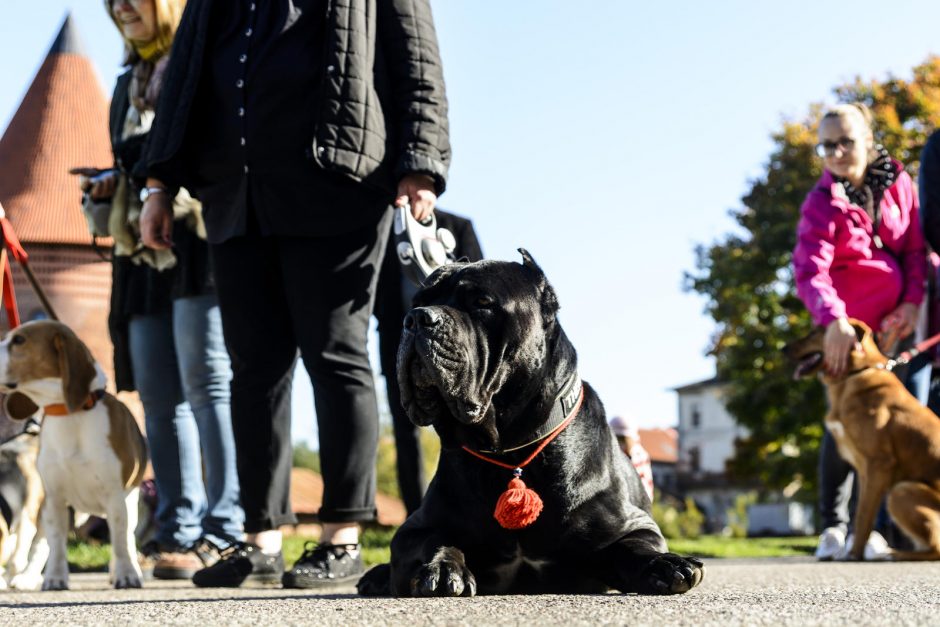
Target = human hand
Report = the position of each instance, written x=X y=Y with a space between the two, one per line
x=839 y=340
x=156 y=221
x=418 y=191
x=898 y=324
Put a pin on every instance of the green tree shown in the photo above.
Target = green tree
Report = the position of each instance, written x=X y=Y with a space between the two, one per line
x=747 y=281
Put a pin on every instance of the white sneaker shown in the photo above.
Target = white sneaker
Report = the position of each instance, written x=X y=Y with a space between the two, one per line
x=876 y=549
x=831 y=543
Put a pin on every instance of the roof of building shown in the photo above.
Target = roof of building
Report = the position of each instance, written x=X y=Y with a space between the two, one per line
x=704 y=383
x=661 y=444
x=61 y=123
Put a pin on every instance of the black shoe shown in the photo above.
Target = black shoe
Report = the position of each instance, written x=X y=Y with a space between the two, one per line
x=325 y=566
x=242 y=563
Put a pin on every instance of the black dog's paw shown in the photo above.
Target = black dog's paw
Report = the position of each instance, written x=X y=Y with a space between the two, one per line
x=376 y=582
x=445 y=576
x=671 y=574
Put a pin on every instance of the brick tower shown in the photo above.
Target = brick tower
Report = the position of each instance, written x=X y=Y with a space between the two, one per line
x=61 y=123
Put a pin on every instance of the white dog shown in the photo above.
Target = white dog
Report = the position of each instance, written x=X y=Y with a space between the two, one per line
x=92 y=454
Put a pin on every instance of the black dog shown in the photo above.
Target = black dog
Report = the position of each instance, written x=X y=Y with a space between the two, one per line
x=484 y=360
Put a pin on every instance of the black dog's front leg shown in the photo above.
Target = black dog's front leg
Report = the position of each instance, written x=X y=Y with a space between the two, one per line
x=638 y=563
x=424 y=564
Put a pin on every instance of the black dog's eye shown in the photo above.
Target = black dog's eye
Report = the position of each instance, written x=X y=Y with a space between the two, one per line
x=18 y=339
x=484 y=301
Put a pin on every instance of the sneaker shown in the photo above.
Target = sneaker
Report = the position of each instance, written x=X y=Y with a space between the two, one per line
x=831 y=544
x=876 y=549
x=242 y=563
x=208 y=551
x=325 y=566
x=164 y=562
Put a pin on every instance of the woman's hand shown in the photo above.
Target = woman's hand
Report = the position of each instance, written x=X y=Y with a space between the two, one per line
x=156 y=221
x=898 y=324
x=839 y=341
x=417 y=190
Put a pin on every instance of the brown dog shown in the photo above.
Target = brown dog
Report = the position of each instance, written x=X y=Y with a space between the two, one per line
x=891 y=440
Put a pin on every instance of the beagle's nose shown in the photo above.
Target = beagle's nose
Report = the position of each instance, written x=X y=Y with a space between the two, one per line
x=422 y=317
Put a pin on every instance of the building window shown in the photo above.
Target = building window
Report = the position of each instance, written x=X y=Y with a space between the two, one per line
x=696 y=417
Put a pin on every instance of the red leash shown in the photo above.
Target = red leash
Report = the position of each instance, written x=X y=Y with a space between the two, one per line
x=911 y=353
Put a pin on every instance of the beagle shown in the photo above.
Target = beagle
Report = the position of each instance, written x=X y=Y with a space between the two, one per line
x=23 y=552
x=92 y=454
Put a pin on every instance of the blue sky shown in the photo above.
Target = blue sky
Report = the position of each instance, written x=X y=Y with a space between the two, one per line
x=608 y=138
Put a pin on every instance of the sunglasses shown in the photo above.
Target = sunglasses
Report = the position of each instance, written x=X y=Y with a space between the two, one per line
x=828 y=149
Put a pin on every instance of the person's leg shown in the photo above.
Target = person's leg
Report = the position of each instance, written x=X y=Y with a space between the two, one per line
x=171 y=431
x=409 y=460
x=331 y=285
x=408 y=455
x=206 y=374
x=260 y=341
x=836 y=487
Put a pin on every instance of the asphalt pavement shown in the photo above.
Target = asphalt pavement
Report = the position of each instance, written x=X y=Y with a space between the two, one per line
x=784 y=591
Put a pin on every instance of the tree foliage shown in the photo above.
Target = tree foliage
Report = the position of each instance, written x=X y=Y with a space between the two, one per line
x=747 y=280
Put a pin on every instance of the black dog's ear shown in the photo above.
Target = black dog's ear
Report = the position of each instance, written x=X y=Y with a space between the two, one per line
x=549 y=299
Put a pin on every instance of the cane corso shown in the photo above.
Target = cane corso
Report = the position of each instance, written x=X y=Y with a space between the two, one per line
x=484 y=360
x=891 y=440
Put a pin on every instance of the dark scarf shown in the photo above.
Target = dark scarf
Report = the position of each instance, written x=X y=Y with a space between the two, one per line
x=881 y=174
x=146 y=82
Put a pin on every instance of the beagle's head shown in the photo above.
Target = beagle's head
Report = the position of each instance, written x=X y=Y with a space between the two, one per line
x=45 y=362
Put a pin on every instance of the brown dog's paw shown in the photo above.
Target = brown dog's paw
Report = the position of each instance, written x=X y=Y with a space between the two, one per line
x=445 y=576
x=671 y=574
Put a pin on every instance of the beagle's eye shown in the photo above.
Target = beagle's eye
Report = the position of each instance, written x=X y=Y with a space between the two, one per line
x=18 y=339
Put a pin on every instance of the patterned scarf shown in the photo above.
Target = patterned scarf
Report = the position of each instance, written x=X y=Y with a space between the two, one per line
x=881 y=174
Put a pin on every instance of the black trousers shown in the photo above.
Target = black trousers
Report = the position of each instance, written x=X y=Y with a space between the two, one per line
x=409 y=459
x=278 y=295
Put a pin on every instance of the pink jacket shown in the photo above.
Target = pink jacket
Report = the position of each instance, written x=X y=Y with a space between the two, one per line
x=839 y=271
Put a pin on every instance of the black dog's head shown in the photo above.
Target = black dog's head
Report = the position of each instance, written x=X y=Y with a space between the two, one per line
x=481 y=345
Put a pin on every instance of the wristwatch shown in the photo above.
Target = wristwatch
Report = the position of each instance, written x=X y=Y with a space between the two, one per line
x=147 y=192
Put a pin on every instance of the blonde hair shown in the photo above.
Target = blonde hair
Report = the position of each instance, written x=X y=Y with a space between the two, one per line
x=168 y=15
x=852 y=109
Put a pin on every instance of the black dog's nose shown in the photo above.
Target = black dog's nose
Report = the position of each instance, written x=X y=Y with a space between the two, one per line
x=423 y=317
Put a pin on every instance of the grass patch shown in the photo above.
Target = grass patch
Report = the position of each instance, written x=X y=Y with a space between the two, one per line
x=719 y=546
x=85 y=557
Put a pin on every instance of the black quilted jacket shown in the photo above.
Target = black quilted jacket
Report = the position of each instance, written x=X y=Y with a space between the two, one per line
x=383 y=111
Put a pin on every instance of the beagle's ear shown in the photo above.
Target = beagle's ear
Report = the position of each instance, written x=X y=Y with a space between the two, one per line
x=76 y=367
x=18 y=406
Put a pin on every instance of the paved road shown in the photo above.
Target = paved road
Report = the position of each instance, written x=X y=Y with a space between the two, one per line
x=753 y=592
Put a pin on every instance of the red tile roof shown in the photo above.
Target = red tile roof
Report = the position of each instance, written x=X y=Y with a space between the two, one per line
x=306 y=495
x=661 y=444
x=61 y=123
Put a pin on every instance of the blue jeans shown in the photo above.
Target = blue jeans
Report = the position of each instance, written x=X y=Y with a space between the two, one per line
x=183 y=375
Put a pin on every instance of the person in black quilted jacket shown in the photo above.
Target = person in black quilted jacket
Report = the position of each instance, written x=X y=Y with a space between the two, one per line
x=298 y=123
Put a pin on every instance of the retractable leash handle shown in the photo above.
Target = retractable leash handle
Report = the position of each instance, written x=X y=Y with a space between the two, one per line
x=421 y=247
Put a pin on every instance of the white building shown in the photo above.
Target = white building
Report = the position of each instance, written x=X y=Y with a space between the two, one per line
x=707 y=433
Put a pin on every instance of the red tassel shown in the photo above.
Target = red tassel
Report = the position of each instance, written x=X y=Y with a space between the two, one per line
x=518 y=506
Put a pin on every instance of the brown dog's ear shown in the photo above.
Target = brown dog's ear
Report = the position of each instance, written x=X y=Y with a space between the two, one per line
x=76 y=367
x=18 y=406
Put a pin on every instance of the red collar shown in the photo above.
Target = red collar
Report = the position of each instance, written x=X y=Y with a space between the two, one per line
x=59 y=409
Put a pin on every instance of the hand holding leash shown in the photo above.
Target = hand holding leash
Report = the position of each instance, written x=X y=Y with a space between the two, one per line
x=417 y=190
x=839 y=340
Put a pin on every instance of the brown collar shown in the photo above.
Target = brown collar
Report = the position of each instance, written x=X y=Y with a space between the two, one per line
x=59 y=409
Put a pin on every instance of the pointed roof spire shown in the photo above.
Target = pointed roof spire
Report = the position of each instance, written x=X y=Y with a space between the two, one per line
x=61 y=123
x=67 y=41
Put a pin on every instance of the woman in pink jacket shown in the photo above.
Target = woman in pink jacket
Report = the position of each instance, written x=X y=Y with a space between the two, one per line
x=859 y=254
